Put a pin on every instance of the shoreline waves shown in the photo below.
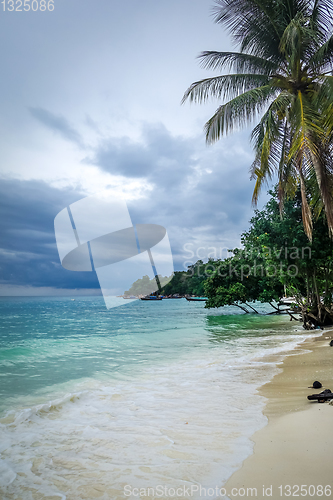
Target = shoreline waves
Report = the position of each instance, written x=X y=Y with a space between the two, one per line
x=167 y=395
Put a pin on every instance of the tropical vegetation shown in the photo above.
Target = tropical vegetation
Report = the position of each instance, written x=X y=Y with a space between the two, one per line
x=282 y=74
x=277 y=260
x=189 y=282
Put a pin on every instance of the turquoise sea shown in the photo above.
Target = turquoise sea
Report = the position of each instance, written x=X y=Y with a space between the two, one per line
x=95 y=403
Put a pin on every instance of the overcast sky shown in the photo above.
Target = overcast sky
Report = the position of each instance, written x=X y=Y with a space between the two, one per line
x=90 y=101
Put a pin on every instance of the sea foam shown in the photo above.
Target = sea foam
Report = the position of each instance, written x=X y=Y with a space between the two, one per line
x=182 y=423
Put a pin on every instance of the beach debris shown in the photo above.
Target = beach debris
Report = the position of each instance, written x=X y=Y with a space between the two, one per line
x=315 y=385
x=331 y=343
x=325 y=395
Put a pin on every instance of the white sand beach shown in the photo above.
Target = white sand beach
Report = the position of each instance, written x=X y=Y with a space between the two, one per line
x=293 y=454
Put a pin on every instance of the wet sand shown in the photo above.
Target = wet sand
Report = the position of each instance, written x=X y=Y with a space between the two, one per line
x=293 y=454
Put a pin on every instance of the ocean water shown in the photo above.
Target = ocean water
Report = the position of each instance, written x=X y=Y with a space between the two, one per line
x=95 y=403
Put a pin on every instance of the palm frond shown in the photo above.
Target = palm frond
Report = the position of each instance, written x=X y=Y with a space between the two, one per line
x=306 y=210
x=306 y=150
x=292 y=7
x=324 y=178
x=288 y=177
x=280 y=107
x=305 y=130
x=238 y=111
x=268 y=140
x=328 y=121
x=322 y=59
x=223 y=87
x=239 y=61
x=253 y=23
x=316 y=201
x=236 y=12
x=324 y=103
x=321 y=17
x=291 y=38
x=298 y=43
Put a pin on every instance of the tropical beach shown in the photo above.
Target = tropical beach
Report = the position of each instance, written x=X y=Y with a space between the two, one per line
x=292 y=454
x=112 y=207
x=90 y=407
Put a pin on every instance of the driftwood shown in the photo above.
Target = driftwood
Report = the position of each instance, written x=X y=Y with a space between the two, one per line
x=323 y=396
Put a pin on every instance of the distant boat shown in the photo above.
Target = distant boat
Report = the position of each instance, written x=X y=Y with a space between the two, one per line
x=196 y=299
x=129 y=297
x=151 y=297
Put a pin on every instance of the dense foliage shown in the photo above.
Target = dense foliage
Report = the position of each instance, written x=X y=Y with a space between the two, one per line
x=190 y=282
x=277 y=258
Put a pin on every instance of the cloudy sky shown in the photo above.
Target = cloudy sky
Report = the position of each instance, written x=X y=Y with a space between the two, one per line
x=90 y=101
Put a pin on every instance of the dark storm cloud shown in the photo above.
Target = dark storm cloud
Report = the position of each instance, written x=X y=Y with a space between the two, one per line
x=156 y=152
x=57 y=124
x=199 y=193
x=28 y=252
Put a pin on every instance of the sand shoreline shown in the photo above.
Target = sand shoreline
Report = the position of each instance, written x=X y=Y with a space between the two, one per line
x=295 y=448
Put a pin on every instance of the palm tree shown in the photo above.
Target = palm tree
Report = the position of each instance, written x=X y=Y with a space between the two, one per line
x=283 y=73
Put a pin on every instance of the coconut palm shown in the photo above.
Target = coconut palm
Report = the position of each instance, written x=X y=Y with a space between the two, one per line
x=283 y=74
